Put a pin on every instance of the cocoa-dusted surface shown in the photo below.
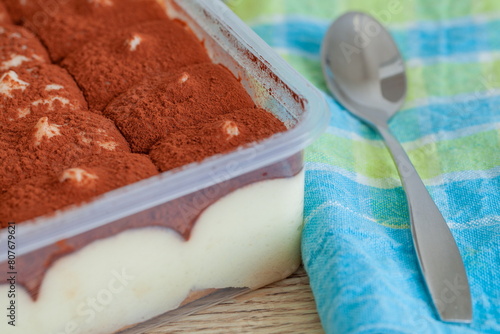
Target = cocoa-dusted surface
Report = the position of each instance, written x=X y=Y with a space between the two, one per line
x=19 y=42
x=39 y=12
x=45 y=88
x=224 y=134
x=4 y=15
x=6 y=151
x=87 y=178
x=76 y=22
x=75 y=135
x=180 y=215
x=183 y=98
x=19 y=10
x=110 y=65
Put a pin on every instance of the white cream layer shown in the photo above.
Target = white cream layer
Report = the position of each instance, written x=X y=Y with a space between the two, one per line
x=248 y=238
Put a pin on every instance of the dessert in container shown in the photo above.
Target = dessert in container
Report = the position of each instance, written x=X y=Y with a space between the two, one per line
x=145 y=254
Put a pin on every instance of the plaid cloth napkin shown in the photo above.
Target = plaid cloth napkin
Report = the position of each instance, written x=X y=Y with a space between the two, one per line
x=357 y=246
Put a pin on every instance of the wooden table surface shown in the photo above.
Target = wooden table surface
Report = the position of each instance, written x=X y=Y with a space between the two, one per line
x=283 y=307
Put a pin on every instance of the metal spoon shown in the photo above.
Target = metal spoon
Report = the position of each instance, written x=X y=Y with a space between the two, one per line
x=365 y=72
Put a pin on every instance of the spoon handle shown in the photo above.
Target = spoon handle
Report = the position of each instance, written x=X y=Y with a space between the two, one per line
x=437 y=252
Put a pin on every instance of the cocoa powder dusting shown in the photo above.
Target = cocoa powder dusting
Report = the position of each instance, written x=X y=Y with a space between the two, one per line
x=20 y=10
x=224 y=134
x=110 y=65
x=179 y=99
x=75 y=22
x=56 y=142
x=19 y=48
x=4 y=15
x=27 y=94
x=80 y=182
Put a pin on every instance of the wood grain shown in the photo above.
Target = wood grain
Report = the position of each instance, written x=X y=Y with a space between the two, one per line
x=286 y=306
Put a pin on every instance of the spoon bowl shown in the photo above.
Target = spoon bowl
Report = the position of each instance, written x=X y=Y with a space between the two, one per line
x=366 y=74
x=363 y=67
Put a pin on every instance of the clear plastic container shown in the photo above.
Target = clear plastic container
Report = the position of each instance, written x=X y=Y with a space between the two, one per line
x=125 y=262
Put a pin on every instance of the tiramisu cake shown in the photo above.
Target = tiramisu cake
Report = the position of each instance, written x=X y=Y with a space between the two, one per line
x=99 y=94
